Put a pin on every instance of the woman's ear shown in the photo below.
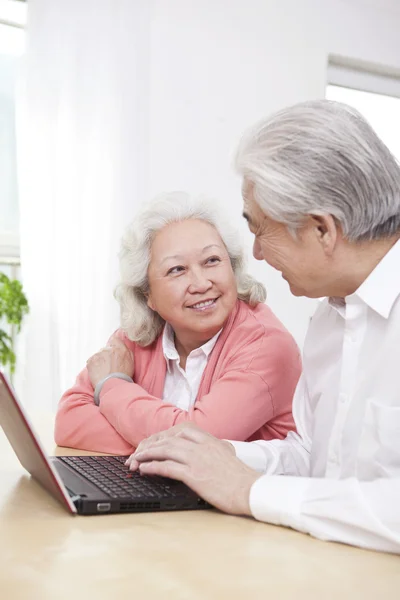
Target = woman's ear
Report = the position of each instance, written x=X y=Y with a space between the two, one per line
x=327 y=231
x=150 y=303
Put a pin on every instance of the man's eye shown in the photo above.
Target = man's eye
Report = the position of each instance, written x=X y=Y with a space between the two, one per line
x=175 y=270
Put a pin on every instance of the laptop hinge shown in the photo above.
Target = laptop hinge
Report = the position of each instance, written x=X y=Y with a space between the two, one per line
x=75 y=498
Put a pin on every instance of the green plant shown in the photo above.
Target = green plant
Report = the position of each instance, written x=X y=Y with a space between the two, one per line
x=13 y=308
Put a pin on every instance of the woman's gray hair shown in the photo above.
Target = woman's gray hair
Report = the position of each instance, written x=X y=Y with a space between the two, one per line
x=140 y=323
x=322 y=157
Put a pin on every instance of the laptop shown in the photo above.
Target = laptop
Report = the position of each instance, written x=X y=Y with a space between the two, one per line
x=89 y=485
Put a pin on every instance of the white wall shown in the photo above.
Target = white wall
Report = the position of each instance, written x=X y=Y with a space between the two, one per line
x=219 y=65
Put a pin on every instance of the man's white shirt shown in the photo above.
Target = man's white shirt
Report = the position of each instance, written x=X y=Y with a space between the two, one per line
x=342 y=469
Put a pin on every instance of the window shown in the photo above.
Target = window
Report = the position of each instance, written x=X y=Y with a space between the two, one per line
x=376 y=97
x=12 y=39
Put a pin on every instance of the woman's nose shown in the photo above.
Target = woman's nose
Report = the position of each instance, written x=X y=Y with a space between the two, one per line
x=257 y=251
x=199 y=283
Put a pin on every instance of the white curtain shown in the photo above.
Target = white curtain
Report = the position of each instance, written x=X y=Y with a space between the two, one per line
x=82 y=150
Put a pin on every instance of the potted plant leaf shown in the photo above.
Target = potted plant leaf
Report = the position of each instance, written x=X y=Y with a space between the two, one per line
x=13 y=308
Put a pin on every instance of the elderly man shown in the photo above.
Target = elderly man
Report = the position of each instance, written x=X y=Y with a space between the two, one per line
x=322 y=198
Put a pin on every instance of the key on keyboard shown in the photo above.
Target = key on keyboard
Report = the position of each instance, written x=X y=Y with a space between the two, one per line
x=111 y=475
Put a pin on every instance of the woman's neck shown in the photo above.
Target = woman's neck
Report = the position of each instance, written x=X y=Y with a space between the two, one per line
x=185 y=347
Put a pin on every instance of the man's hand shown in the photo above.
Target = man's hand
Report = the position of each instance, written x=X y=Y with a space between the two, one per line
x=114 y=358
x=204 y=463
x=163 y=435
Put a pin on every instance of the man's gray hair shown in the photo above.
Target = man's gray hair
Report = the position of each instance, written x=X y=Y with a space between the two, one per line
x=140 y=323
x=322 y=157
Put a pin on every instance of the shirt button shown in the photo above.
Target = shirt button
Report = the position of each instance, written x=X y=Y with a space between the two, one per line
x=351 y=337
x=343 y=398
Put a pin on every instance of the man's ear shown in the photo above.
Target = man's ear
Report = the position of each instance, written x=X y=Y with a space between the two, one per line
x=327 y=231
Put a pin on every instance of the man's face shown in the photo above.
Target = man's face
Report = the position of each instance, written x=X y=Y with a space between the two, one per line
x=305 y=263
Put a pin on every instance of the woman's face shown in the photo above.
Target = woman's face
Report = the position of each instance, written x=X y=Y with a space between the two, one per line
x=192 y=285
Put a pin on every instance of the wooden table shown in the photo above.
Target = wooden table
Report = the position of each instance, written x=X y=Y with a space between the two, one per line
x=47 y=554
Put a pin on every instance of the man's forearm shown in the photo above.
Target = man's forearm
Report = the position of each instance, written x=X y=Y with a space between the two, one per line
x=362 y=514
x=275 y=457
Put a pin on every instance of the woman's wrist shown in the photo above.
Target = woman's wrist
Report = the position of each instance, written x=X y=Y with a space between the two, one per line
x=99 y=386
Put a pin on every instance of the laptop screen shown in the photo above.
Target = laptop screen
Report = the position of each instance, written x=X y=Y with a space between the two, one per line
x=27 y=446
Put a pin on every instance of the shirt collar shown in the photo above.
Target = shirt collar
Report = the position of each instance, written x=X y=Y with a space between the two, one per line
x=170 y=352
x=339 y=304
x=381 y=288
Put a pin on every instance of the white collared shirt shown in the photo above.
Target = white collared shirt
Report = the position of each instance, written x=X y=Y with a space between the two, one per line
x=181 y=386
x=342 y=469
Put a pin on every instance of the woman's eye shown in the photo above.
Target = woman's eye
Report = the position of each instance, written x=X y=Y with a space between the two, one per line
x=175 y=270
x=213 y=260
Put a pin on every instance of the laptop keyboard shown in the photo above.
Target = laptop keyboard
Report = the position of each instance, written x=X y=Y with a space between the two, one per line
x=111 y=475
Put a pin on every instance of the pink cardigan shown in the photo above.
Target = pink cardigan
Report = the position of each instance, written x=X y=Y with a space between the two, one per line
x=245 y=393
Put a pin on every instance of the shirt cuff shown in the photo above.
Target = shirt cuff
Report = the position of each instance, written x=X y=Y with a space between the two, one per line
x=112 y=384
x=277 y=499
x=251 y=455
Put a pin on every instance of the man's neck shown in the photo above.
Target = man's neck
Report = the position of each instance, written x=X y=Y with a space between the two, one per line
x=362 y=258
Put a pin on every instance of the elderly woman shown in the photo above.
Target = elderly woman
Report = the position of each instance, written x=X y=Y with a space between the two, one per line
x=196 y=344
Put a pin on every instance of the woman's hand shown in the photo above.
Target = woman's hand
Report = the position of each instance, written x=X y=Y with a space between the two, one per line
x=113 y=358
